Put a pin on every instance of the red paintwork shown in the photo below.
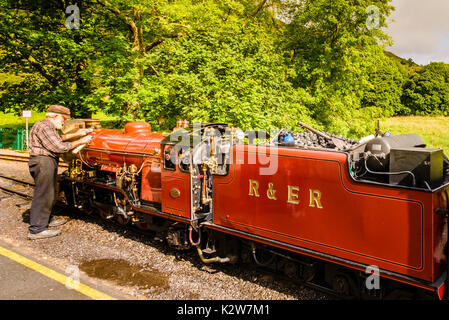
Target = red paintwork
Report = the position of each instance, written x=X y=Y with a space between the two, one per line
x=151 y=182
x=134 y=145
x=176 y=179
x=108 y=147
x=391 y=228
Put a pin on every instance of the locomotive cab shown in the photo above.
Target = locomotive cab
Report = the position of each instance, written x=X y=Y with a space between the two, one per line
x=191 y=158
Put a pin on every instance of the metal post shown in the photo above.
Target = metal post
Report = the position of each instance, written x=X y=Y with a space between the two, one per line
x=26 y=132
x=26 y=114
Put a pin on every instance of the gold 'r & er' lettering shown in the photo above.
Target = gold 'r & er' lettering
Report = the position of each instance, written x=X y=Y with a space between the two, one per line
x=292 y=194
x=253 y=188
x=271 y=193
x=315 y=198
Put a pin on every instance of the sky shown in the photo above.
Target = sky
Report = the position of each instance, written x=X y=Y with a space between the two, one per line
x=420 y=30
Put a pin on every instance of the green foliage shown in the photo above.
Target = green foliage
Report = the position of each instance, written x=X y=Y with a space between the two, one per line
x=51 y=58
x=333 y=52
x=208 y=63
x=384 y=90
x=426 y=92
x=214 y=61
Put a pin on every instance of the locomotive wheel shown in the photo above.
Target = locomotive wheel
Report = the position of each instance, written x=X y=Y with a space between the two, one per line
x=341 y=285
x=291 y=269
x=142 y=225
x=105 y=215
x=122 y=220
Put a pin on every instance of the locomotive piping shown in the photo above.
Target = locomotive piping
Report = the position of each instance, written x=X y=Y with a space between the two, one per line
x=190 y=237
x=253 y=251
x=210 y=260
x=150 y=210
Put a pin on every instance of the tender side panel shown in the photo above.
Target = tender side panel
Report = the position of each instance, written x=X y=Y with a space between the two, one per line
x=306 y=204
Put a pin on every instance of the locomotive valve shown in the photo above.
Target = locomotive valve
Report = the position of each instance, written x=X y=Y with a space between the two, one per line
x=204 y=197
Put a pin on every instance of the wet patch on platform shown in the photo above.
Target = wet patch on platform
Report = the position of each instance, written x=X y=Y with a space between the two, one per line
x=123 y=273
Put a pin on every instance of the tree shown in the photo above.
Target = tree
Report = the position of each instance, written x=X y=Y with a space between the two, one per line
x=208 y=61
x=426 y=92
x=52 y=60
x=332 y=49
x=252 y=64
x=384 y=90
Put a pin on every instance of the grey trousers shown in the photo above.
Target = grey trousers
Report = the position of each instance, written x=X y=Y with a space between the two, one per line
x=44 y=171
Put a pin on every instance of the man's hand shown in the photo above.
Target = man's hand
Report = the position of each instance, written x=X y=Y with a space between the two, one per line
x=83 y=132
x=77 y=133
x=83 y=140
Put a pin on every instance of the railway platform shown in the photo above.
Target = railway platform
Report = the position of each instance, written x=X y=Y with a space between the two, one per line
x=24 y=275
x=29 y=278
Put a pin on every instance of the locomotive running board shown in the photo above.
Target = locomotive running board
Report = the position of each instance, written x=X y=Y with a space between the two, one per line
x=435 y=286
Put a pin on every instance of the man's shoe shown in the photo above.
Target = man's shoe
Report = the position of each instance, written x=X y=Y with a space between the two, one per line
x=56 y=222
x=43 y=234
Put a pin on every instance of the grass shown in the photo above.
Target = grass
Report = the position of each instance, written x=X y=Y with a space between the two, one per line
x=433 y=130
x=12 y=121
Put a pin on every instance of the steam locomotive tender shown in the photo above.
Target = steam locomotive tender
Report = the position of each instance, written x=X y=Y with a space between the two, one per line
x=323 y=214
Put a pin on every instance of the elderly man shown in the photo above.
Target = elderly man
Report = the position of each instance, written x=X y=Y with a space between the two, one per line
x=45 y=147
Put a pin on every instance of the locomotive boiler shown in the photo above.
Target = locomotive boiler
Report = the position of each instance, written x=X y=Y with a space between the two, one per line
x=321 y=212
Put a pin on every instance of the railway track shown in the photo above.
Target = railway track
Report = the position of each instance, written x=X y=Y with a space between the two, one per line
x=23 y=158
x=27 y=194
x=13 y=157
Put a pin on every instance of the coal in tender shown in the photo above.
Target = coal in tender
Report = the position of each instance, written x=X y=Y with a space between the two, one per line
x=309 y=139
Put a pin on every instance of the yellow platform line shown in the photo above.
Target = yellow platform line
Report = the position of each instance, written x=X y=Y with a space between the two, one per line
x=82 y=288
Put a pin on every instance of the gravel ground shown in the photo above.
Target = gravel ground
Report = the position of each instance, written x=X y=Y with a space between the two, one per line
x=137 y=265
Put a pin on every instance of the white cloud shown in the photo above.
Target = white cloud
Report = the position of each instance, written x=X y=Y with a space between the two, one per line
x=420 y=30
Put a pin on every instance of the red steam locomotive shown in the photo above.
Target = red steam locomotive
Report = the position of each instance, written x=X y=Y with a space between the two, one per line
x=334 y=216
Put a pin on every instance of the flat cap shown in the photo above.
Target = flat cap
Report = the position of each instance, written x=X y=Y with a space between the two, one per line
x=59 y=109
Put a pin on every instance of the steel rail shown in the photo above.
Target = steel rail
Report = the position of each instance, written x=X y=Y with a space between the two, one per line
x=9 y=190
x=23 y=195
x=13 y=157
x=17 y=180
